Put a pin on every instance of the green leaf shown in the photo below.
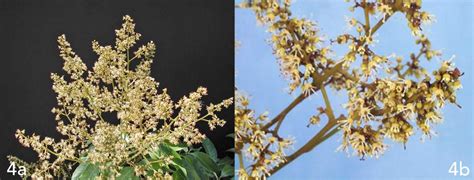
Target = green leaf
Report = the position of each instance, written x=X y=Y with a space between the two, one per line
x=191 y=168
x=154 y=154
x=178 y=163
x=178 y=147
x=206 y=161
x=227 y=171
x=178 y=175
x=230 y=135
x=231 y=150
x=225 y=161
x=210 y=149
x=85 y=171
x=127 y=173
x=168 y=151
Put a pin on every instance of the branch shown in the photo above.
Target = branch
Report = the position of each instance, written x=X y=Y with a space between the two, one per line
x=283 y=113
x=380 y=23
x=356 y=80
x=275 y=131
x=329 y=111
x=417 y=58
x=241 y=161
x=367 y=19
x=318 y=80
x=312 y=143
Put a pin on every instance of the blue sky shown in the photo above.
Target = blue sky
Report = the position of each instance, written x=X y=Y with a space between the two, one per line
x=257 y=74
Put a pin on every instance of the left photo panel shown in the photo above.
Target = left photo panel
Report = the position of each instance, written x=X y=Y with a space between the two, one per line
x=117 y=89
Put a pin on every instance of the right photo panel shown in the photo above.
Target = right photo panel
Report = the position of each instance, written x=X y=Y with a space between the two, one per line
x=353 y=89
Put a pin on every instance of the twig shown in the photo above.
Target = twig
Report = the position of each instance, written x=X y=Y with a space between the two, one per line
x=380 y=23
x=311 y=144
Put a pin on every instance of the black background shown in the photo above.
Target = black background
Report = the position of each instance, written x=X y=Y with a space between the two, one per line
x=195 y=45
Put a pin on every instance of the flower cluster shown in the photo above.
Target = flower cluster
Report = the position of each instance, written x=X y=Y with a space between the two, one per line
x=404 y=97
x=386 y=8
x=365 y=141
x=394 y=104
x=296 y=42
x=415 y=17
x=264 y=150
x=118 y=85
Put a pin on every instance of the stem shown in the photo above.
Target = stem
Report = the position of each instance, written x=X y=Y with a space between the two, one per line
x=380 y=23
x=277 y=128
x=329 y=111
x=311 y=144
x=283 y=113
x=330 y=133
x=318 y=80
x=128 y=60
x=356 y=80
x=319 y=137
x=241 y=161
x=367 y=19
x=417 y=58
x=58 y=155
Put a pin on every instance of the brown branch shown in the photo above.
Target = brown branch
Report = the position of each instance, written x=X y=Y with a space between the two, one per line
x=356 y=80
x=380 y=23
x=312 y=143
x=329 y=111
x=367 y=18
x=318 y=80
x=283 y=113
x=417 y=58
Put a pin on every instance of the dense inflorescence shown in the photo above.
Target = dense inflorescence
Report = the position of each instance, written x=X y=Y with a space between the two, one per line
x=296 y=42
x=388 y=96
x=119 y=83
x=266 y=151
